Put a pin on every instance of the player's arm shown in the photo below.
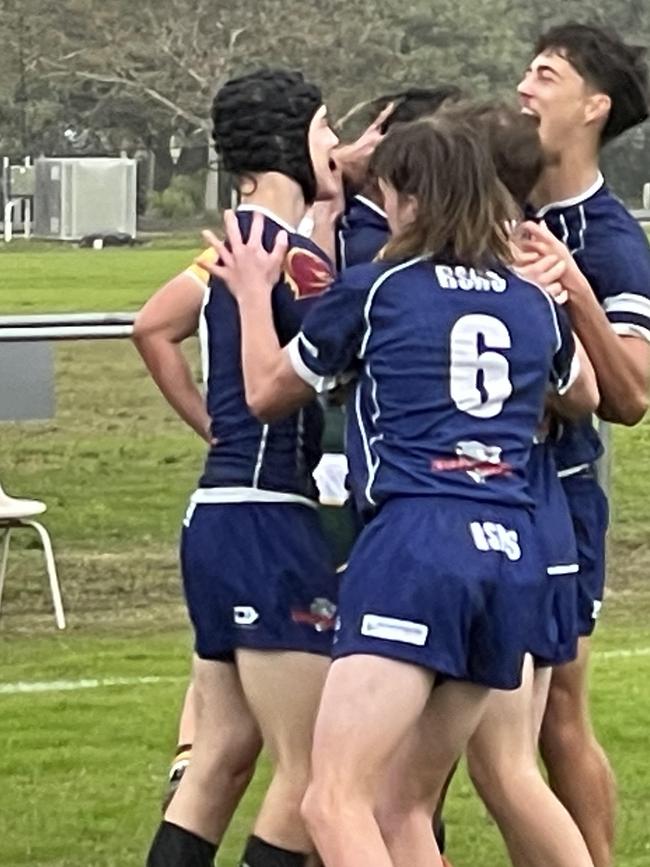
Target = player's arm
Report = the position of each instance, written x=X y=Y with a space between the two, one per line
x=620 y=353
x=166 y=320
x=576 y=396
x=277 y=380
x=622 y=363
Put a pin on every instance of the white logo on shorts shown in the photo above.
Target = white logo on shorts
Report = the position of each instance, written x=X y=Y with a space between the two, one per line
x=596 y=609
x=488 y=536
x=392 y=629
x=245 y=615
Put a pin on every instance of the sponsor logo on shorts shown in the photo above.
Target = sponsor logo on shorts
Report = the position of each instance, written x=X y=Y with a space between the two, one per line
x=392 y=629
x=595 y=611
x=245 y=615
x=478 y=460
x=489 y=536
x=321 y=615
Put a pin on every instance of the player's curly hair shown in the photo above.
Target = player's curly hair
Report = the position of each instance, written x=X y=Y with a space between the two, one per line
x=261 y=124
x=606 y=63
x=463 y=209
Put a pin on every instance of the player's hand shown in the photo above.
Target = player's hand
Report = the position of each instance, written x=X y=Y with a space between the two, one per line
x=353 y=158
x=546 y=272
x=246 y=268
x=537 y=240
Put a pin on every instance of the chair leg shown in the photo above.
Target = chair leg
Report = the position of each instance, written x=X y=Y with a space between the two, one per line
x=51 y=572
x=3 y=560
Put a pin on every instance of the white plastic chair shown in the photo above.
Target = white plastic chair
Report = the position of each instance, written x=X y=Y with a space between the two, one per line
x=15 y=514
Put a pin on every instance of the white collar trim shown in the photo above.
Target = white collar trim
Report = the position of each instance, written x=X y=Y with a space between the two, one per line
x=370 y=204
x=576 y=200
x=259 y=209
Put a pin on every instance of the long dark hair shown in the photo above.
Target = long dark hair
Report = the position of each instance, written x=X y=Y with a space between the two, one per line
x=462 y=208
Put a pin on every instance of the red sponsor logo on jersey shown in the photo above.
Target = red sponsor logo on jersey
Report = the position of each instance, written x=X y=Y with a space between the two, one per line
x=321 y=615
x=471 y=466
x=306 y=273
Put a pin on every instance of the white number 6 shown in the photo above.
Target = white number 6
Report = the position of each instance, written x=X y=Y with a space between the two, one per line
x=471 y=369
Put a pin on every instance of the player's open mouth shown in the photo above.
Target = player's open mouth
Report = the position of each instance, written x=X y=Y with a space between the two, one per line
x=527 y=110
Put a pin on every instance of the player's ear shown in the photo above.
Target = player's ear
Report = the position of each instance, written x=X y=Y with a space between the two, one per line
x=597 y=108
x=409 y=206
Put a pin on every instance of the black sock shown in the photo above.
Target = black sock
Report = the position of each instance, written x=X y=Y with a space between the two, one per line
x=439 y=833
x=173 y=846
x=258 y=853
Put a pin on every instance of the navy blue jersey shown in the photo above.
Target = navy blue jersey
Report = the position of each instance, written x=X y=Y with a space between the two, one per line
x=250 y=459
x=453 y=368
x=613 y=253
x=362 y=232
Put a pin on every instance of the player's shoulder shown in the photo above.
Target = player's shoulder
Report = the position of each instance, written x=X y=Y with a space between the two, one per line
x=372 y=275
x=608 y=214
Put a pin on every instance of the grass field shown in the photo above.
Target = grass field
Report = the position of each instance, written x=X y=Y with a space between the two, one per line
x=82 y=768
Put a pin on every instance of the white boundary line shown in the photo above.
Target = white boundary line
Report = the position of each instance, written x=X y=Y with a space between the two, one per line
x=25 y=687
x=84 y=683
x=622 y=654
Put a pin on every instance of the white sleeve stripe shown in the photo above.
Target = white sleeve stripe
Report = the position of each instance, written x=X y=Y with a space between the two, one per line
x=309 y=346
x=317 y=382
x=574 y=373
x=631 y=329
x=628 y=302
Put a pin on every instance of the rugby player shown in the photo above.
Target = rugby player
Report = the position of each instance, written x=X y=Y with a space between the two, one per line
x=586 y=87
x=258 y=578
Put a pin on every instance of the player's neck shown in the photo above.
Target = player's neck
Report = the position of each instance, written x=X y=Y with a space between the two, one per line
x=280 y=195
x=572 y=173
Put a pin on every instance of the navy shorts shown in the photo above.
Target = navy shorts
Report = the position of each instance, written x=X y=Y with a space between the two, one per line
x=446 y=584
x=558 y=641
x=257 y=575
x=590 y=513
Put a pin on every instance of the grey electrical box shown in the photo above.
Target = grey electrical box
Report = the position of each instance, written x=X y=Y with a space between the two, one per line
x=78 y=196
x=26 y=381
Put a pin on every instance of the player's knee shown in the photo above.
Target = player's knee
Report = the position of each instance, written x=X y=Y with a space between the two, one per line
x=491 y=780
x=232 y=754
x=481 y=774
x=501 y=781
x=317 y=809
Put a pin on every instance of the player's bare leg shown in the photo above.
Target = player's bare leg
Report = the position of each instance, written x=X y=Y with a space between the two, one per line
x=283 y=690
x=541 y=687
x=421 y=771
x=226 y=745
x=368 y=707
x=438 y=822
x=578 y=769
x=502 y=761
x=183 y=754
